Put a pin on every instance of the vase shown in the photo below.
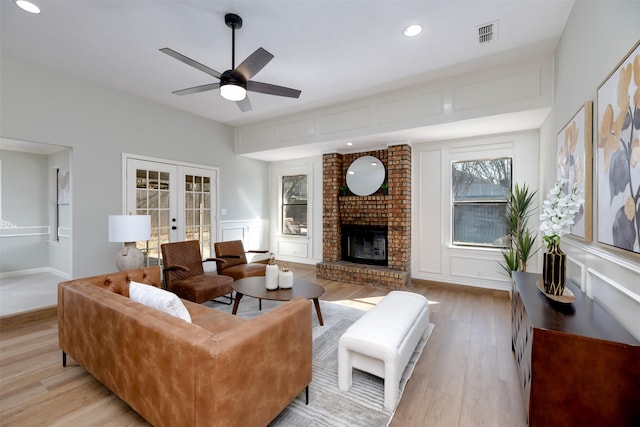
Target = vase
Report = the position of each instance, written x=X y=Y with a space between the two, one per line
x=554 y=266
x=271 y=277
x=285 y=280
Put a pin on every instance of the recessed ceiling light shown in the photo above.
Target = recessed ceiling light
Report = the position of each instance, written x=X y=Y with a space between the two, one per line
x=27 y=6
x=349 y=144
x=412 y=30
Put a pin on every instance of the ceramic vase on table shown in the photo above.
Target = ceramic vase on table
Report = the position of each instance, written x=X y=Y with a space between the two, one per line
x=285 y=280
x=271 y=277
x=554 y=267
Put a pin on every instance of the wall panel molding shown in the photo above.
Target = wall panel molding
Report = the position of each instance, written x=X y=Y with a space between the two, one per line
x=513 y=87
x=252 y=232
x=622 y=303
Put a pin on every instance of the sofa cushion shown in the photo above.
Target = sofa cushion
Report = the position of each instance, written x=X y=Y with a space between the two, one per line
x=159 y=299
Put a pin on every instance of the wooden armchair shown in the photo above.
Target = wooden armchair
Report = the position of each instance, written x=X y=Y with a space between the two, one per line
x=232 y=260
x=184 y=274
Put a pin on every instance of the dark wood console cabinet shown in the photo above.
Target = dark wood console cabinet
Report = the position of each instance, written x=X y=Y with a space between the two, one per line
x=577 y=365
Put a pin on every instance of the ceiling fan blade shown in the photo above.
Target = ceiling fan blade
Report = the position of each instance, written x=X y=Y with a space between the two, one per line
x=270 y=89
x=253 y=64
x=197 y=89
x=195 y=64
x=244 y=105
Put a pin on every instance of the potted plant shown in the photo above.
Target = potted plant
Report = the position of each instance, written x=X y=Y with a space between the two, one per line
x=521 y=239
x=343 y=190
x=385 y=188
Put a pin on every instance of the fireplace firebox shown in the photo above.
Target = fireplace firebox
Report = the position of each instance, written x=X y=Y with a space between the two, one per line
x=364 y=244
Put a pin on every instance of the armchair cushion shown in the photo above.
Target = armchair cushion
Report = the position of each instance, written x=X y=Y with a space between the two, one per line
x=159 y=299
x=185 y=276
x=235 y=261
x=204 y=287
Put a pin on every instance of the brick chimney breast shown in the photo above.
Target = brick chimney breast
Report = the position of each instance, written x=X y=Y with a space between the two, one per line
x=392 y=210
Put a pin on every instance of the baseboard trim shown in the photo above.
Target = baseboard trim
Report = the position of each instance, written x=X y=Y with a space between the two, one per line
x=19 y=320
x=39 y=270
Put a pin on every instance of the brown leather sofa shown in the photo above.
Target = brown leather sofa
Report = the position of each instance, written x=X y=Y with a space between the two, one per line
x=220 y=370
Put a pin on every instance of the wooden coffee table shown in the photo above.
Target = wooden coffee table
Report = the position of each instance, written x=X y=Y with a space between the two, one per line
x=255 y=287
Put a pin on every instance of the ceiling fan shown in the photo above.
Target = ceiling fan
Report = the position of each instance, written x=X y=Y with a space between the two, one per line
x=235 y=83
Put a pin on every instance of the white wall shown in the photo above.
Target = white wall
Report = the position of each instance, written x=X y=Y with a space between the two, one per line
x=433 y=255
x=596 y=37
x=99 y=124
x=24 y=204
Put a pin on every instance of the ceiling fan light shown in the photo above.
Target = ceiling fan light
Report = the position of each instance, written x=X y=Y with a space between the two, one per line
x=27 y=6
x=412 y=30
x=233 y=92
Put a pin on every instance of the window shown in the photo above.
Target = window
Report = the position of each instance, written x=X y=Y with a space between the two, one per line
x=481 y=189
x=294 y=205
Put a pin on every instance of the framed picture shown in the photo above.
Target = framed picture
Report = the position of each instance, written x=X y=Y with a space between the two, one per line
x=574 y=160
x=618 y=156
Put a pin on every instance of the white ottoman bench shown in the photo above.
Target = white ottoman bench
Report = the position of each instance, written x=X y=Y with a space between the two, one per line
x=382 y=341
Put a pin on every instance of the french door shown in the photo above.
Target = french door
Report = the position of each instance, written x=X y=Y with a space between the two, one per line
x=182 y=201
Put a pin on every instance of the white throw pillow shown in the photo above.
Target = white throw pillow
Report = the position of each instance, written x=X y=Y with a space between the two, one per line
x=159 y=299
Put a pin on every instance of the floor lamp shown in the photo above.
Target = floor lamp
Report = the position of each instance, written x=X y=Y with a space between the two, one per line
x=129 y=229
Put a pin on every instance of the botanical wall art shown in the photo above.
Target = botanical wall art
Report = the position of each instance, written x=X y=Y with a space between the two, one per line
x=618 y=100
x=574 y=165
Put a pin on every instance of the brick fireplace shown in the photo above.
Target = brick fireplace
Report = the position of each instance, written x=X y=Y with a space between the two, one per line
x=392 y=211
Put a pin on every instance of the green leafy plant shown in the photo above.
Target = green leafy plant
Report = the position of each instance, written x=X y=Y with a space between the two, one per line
x=522 y=239
x=385 y=188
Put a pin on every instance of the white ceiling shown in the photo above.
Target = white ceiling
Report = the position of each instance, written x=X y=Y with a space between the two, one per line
x=331 y=50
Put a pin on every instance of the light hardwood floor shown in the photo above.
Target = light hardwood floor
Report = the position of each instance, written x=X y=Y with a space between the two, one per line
x=465 y=377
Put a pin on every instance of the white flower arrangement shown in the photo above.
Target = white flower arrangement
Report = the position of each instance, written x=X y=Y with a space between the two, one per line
x=558 y=212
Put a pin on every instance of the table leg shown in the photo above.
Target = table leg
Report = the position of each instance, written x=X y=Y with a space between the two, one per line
x=236 y=302
x=317 y=304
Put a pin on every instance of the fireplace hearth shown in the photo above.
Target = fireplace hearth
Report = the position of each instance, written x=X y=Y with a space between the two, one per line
x=364 y=244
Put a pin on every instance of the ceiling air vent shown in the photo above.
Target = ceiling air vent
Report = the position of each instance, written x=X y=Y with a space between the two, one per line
x=487 y=32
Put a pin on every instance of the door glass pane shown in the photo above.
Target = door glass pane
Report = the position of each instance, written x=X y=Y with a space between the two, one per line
x=141 y=198
x=197 y=202
x=179 y=210
x=152 y=198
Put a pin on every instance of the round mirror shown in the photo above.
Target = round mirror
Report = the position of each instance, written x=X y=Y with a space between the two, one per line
x=365 y=175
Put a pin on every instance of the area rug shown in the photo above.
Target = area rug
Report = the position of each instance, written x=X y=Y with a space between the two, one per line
x=363 y=404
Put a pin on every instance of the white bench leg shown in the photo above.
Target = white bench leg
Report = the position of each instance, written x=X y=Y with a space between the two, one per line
x=345 y=368
x=391 y=385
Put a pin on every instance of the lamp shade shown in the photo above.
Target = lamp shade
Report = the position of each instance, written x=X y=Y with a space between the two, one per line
x=129 y=228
